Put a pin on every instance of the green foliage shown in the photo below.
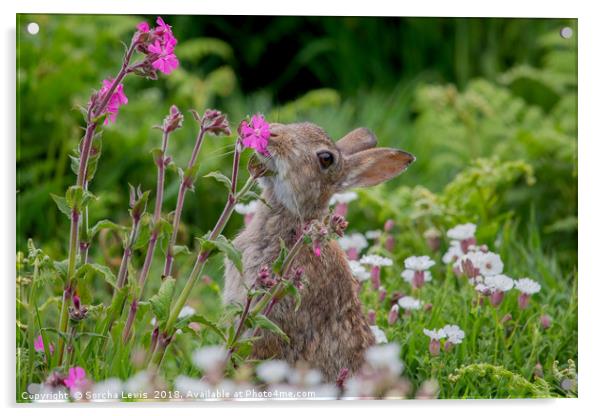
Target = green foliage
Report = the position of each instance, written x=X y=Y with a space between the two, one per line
x=490 y=113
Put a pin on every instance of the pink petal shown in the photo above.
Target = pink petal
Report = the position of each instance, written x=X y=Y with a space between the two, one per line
x=143 y=27
x=156 y=47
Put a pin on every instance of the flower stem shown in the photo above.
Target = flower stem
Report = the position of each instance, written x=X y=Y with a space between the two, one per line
x=150 y=251
x=185 y=185
x=91 y=123
x=203 y=254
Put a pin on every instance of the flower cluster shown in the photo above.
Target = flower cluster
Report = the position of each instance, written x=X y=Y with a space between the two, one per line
x=484 y=268
x=158 y=44
x=116 y=99
x=452 y=333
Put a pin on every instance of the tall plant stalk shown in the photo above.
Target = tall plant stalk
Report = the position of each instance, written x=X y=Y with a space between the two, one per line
x=161 y=161
x=95 y=110
x=202 y=257
x=185 y=185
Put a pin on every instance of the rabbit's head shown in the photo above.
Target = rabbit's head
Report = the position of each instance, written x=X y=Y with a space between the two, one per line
x=307 y=167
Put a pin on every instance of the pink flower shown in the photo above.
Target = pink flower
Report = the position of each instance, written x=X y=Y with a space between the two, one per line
x=162 y=27
x=117 y=99
x=76 y=378
x=38 y=345
x=166 y=61
x=255 y=135
x=143 y=27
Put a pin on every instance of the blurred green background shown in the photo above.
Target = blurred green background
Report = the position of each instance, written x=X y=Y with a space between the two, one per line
x=449 y=90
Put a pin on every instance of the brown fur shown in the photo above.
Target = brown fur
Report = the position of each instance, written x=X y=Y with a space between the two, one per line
x=329 y=331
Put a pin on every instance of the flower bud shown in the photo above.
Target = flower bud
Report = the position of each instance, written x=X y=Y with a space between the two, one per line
x=375 y=277
x=338 y=225
x=496 y=298
x=546 y=321
x=435 y=347
x=427 y=307
x=433 y=238
x=448 y=346
x=389 y=224
x=418 y=280
x=390 y=243
x=264 y=278
x=215 y=122
x=523 y=301
x=173 y=121
x=382 y=294
x=393 y=314
x=372 y=317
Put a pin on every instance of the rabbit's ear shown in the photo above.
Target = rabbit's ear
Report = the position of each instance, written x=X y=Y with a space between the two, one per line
x=373 y=166
x=356 y=141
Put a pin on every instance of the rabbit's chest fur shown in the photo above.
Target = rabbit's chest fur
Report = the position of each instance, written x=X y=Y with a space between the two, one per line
x=329 y=330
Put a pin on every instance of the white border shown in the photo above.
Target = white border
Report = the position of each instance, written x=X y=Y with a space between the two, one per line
x=590 y=137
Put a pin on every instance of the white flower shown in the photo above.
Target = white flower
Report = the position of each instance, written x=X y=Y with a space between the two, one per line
x=453 y=253
x=462 y=231
x=385 y=357
x=482 y=288
x=434 y=334
x=326 y=392
x=359 y=271
x=527 y=286
x=379 y=334
x=355 y=240
x=408 y=275
x=409 y=303
x=499 y=282
x=376 y=260
x=272 y=371
x=138 y=383
x=342 y=198
x=309 y=377
x=245 y=209
x=373 y=234
x=489 y=263
x=186 y=312
x=209 y=358
x=454 y=334
x=107 y=390
x=190 y=387
x=419 y=263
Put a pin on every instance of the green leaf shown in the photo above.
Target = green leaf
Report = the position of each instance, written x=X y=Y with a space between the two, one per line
x=78 y=198
x=90 y=270
x=225 y=246
x=262 y=321
x=220 y=177
x=277 y=265
x=201 y=320
x=105 y=225
x=180 y=250
x=61 y=203
x=161 y=302
x=291 y=289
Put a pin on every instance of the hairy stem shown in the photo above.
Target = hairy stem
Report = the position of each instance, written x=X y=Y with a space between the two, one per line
x=150 y=251
x=91 y=123
x=185 y=185
x=203 y=255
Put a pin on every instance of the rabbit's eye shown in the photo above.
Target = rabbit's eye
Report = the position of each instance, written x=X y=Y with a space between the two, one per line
x=326 y=158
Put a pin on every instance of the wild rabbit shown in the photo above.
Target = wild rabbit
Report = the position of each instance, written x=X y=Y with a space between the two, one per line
x=329 y=330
